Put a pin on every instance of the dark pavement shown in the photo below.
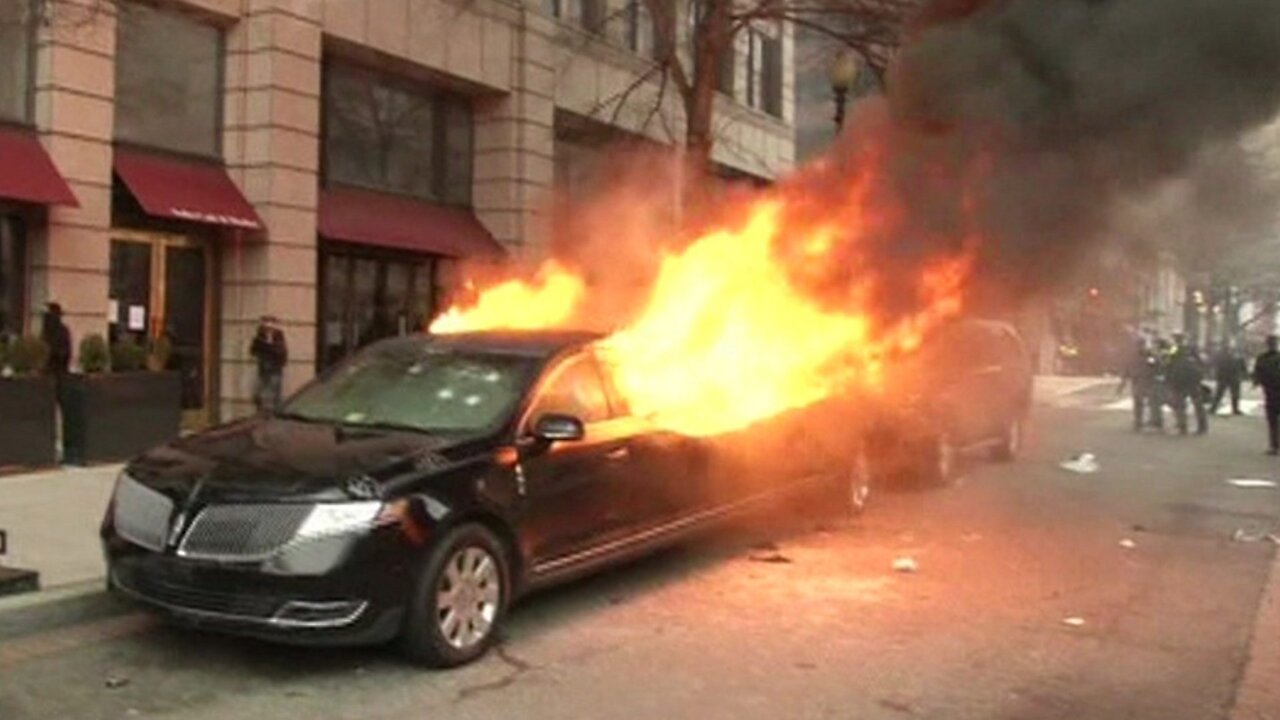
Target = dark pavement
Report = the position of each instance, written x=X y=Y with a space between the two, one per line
x=826 y=630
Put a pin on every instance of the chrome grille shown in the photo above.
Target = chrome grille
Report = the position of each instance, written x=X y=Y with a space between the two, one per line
x=242 y=532
x=141 y=514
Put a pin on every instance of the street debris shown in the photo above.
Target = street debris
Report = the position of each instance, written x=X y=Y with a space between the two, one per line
x=1252 y=483
x=1128 y=544
x=970 y=537
x=1253 y=535
x=906 y=565
x=1084 y=464
x=115 y=682
x=1073 y=621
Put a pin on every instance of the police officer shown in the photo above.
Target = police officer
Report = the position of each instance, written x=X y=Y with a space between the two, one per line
x=1266 y=374
x=1140 y=375
x=1229 y=370
x=1185 y=376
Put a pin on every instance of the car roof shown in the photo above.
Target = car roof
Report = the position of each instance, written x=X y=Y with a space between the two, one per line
x=530 y=343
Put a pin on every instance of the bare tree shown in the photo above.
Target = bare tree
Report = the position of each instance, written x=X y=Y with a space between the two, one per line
x=870 y=28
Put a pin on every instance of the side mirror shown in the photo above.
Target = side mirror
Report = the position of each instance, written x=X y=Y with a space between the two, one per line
x=553 y=427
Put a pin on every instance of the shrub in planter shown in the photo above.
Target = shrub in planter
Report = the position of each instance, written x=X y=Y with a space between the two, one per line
x=115 y=415
x=27 y=402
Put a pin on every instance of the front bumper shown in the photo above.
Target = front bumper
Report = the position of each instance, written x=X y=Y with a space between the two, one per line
x=360 y=601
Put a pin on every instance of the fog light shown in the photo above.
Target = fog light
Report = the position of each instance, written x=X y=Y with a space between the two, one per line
x=303 y=613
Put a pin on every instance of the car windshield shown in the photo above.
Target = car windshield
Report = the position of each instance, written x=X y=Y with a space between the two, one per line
x=419 y=388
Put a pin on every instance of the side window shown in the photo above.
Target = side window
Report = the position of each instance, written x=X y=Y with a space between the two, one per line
x=577 y=390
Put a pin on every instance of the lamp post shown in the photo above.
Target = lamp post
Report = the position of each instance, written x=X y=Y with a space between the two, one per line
x=843 y=73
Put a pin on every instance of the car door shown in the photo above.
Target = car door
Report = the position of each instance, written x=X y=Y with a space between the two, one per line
x=971 y=378
x=663 y=476
x=572 y=488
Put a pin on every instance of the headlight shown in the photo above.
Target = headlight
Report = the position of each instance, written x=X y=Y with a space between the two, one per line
x=330 y=519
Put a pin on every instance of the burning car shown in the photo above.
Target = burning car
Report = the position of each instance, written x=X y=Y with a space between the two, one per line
x=967 y=388
x=417 y=490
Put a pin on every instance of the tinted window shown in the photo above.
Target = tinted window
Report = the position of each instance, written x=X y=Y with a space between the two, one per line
x=418 y=388
x=384 y=133
x=577 y=390
x=16 y=30
x=168 y=70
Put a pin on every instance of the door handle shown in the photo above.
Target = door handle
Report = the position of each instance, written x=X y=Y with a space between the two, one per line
x=621 y=453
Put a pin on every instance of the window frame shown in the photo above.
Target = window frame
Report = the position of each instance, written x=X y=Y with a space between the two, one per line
x=220 y=87
x=443 y=103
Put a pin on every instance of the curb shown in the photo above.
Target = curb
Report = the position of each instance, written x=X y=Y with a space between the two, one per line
x=70 y=591
x=1258 y=696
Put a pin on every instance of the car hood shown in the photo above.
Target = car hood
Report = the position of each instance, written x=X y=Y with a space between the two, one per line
x=273 y=459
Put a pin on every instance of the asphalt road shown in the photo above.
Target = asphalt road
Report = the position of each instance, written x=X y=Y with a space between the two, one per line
x=815 y=625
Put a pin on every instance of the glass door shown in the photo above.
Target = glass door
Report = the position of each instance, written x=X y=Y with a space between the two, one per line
x=160 y=286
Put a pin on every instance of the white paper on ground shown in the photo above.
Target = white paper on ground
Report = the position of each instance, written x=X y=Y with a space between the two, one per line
x=1251 y=483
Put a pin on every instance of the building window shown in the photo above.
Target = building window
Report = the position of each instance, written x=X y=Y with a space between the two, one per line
x=588 y=14
x=764 y=72
x=13 y=264
x=553 y=7
x=728 y=64
x=168 y=81
x=367 y=295
x=383 y=133
x=640 y=31
x=16 y=49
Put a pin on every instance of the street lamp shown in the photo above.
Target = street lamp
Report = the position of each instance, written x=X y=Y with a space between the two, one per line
x=843 y=73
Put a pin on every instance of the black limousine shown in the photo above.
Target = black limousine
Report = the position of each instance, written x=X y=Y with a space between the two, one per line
x=414 y=491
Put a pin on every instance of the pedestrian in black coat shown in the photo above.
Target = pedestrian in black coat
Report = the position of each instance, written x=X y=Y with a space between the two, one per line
x=57 y=338
x=1266 y=375
x=1229 y=371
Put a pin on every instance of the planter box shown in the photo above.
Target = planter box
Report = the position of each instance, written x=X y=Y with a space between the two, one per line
x=27 y=416
x=112 y=417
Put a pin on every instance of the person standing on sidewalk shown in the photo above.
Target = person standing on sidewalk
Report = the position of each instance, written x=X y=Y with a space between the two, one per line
x=271 y=352
x=1266 y=374
x=57 y=338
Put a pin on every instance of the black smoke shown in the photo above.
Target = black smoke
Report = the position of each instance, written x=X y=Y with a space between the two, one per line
x=1042 y=122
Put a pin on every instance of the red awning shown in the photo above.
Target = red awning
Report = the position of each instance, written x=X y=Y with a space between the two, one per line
x=371 y=218
x=27 y=173
x=180 y=189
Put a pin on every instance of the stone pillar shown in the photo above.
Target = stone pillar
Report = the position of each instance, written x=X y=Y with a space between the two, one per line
x=74 y=85
x=271 y=144
x=514 y=144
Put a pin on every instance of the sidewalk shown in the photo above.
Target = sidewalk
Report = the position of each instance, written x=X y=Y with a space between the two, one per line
x=52 y=520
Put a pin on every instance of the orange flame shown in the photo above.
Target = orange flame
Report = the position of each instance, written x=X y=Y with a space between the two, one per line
x=724 y=337
x=548 y=301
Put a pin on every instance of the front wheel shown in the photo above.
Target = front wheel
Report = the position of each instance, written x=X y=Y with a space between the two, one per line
x=938 y=465
x=460 y=595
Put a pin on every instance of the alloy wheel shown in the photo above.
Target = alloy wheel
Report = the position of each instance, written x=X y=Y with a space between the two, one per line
x=468 y=596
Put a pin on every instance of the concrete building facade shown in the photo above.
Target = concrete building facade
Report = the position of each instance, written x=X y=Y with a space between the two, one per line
x=181 y=168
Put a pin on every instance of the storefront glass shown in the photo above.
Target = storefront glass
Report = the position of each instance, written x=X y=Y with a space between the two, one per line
x=369 y=295
x=13 y=265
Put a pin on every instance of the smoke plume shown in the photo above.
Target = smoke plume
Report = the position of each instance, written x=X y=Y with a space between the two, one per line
x=1066 y=114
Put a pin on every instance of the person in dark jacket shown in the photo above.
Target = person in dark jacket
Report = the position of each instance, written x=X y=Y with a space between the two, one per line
x=271 y=352
x=1266 y=374
x=57 y=338
x=1185 y=376
x=1140 y=376
x=1229 y=370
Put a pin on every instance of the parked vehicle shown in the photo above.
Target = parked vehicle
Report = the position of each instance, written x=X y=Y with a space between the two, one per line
x=419 y=488
x=968 y=388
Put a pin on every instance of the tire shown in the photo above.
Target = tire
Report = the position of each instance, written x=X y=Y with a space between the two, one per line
x=460 y=595
x=938 y=468
x=858 y=484
x=1009 y=445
